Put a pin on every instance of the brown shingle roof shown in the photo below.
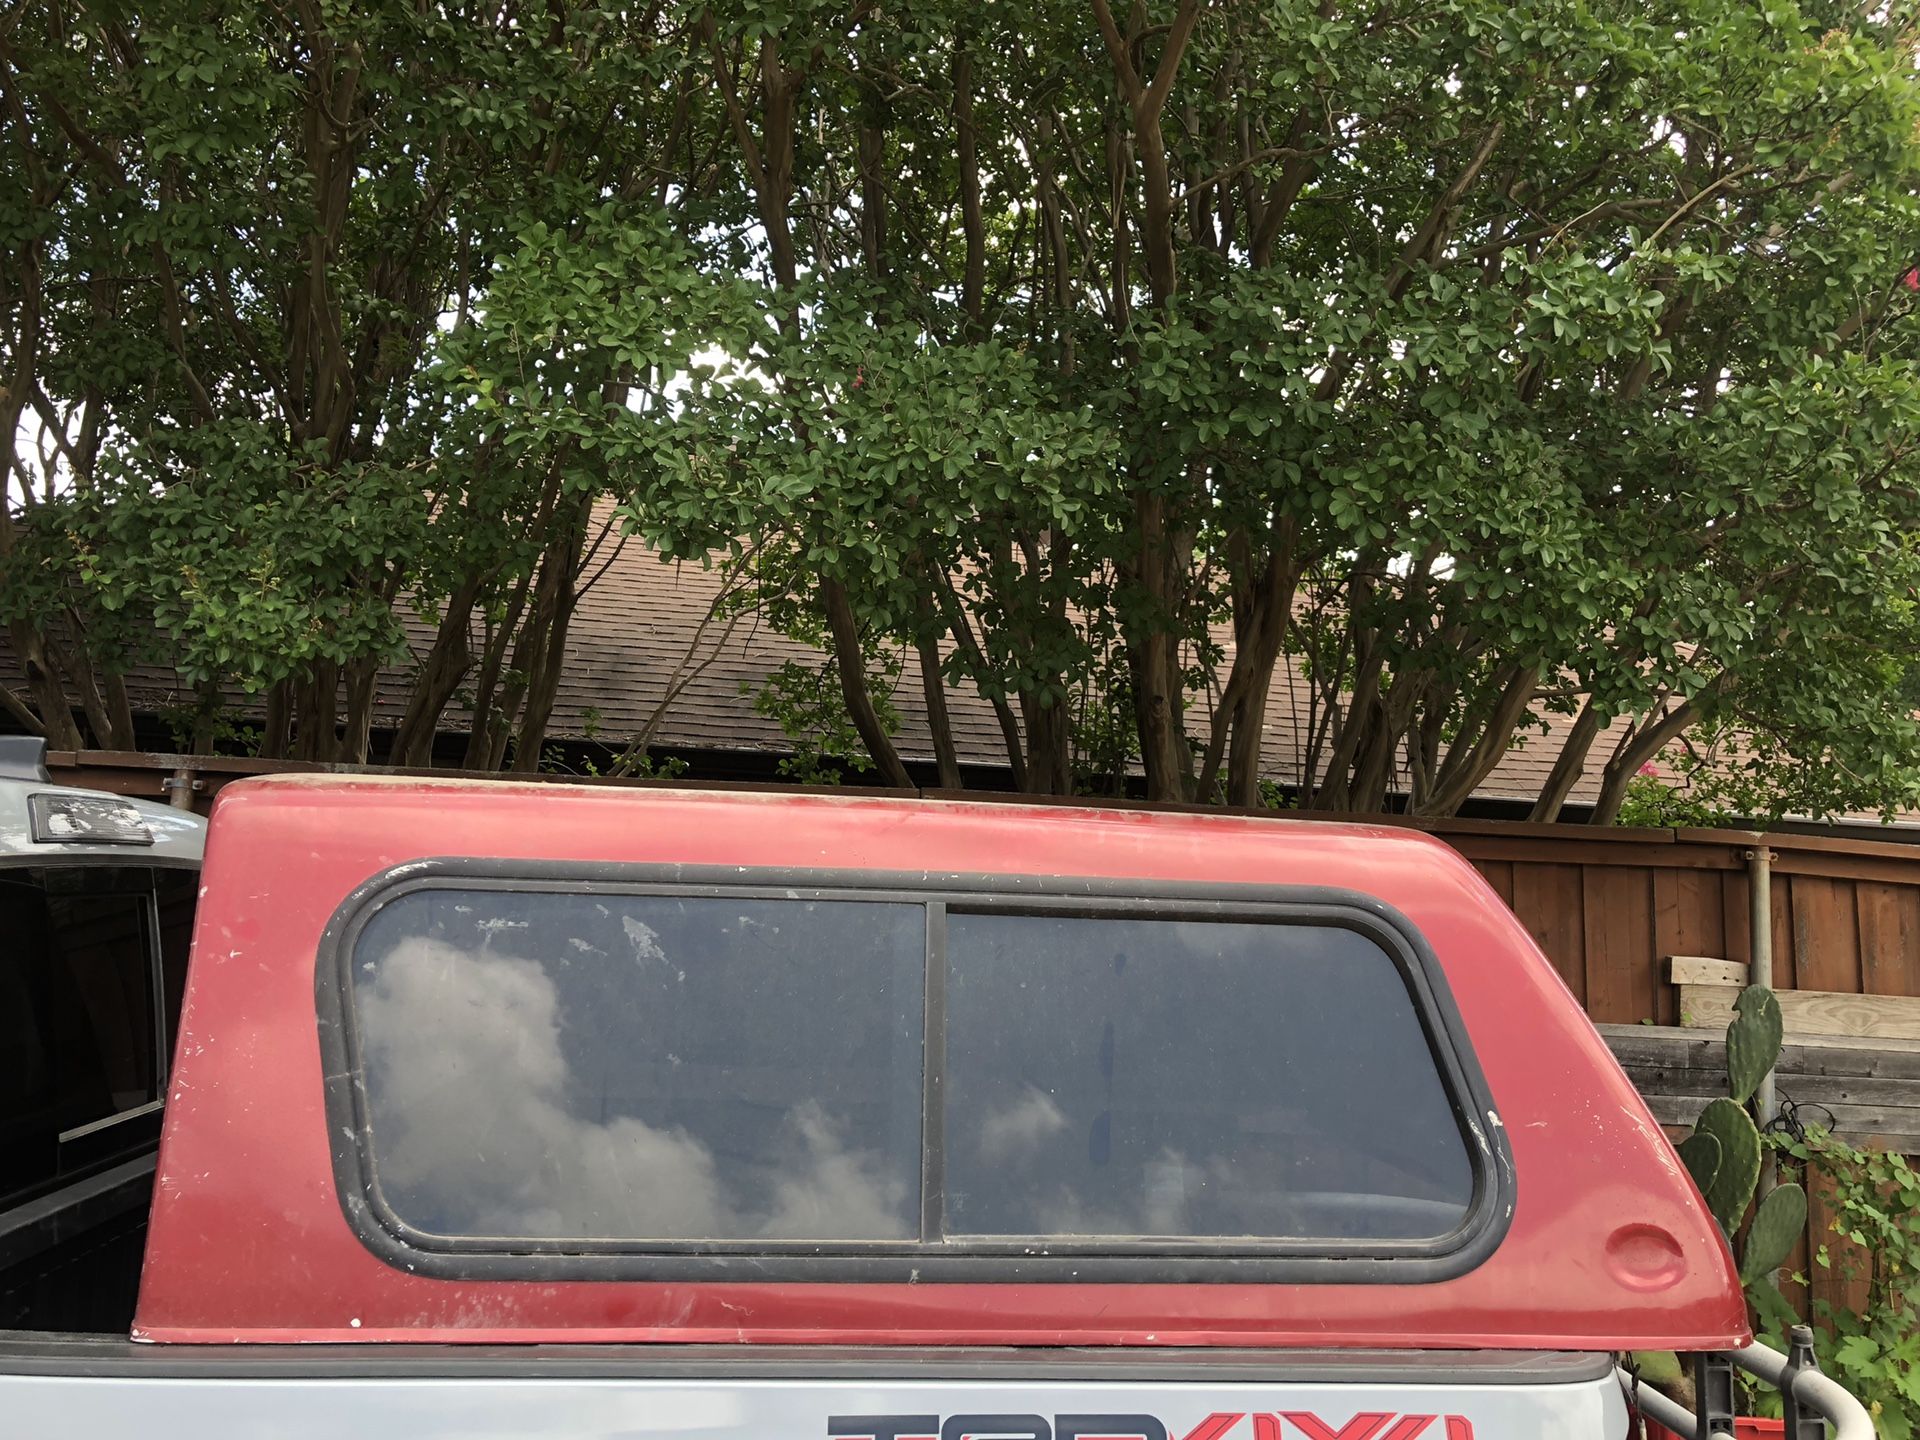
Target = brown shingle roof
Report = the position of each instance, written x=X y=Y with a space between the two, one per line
x=640 y=621
x=640 y=618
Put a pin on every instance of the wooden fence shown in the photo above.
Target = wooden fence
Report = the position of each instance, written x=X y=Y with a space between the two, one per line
x=1609 y=908
x=1610 y=911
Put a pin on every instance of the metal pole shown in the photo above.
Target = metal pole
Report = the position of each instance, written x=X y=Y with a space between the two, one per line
x=1760 y=972
x=180 y=788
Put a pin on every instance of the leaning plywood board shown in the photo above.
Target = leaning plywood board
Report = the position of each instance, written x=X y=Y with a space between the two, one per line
x=1704 y=970
x=1811 y=1012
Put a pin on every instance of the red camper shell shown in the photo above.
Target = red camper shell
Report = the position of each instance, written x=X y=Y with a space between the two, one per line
x=489 y=1062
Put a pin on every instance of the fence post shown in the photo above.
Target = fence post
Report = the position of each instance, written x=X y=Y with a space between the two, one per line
x=180 y=787
x=1760 y=972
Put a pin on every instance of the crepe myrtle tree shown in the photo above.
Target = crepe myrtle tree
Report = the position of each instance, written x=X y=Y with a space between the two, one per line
x=251 y=237
x=942 y=489
x=1461 y=364
x=1479 y=360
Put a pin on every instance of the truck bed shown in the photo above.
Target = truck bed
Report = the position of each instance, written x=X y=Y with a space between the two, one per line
x=70 y=1260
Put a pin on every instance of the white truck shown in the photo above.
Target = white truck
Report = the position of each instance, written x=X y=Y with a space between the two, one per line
x=586 y=1112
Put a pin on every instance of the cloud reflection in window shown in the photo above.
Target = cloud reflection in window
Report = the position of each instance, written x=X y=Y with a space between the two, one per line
x=480 y=1125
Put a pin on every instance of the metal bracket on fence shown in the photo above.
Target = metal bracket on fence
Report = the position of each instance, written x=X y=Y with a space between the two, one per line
x=1713 y=1393
x=180 y=786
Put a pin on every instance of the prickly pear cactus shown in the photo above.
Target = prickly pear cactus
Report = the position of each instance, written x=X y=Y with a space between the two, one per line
x=1753 y=1041
x=1734 y=1179
x=1700 y=1153
x=1777 y=1224
x=1723 y=1156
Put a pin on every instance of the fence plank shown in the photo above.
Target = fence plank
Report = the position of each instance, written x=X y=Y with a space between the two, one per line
x=1704 y=970
x=1623 y=981
x=1705 y=1051
x=1844 y=1283
x=1889 y=938
x=1551 y=903
x=1582 y=851
x=1826 y=935
x=1735 y=918
x=1783 y=937
x=1498 y=874
x=1866 y=1094
x=1685 y=922
x=1890 y=1128
x=1687 y=918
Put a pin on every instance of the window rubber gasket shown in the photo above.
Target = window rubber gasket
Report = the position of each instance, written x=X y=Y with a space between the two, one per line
x=965 y=1259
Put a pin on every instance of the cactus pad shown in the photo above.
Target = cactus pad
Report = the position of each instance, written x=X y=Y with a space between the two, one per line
x=1739 y=1170
x=1700 y=1153
x=1753 y=1040
x=1777 y=1224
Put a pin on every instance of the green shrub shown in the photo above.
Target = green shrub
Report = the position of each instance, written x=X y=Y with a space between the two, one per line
x=1874 y=1200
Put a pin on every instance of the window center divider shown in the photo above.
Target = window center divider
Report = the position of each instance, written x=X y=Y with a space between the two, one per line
x=933 y=1109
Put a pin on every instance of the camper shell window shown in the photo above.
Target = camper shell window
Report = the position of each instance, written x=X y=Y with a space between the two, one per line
x=544 y=1071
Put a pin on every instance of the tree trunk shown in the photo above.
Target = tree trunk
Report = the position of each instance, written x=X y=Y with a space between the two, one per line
x=43 y=683
x=506 y=718
x=1153 y=668
x=483 y=753
x=1153 y=657
x=1262 y=612
x=1632 y=753
x=543 y=640
x=1458 y=780
x=77 y=666
x=933 y=685
x=1153 y=649
x=113 y=689
x=449 y=658
x=1248 y=740
x=1335 y=790
x=852 y=671
x=17 y=710
x=972 y=222
x=357 y=739
x=275 y=728
x=543 y=681
x=1049 y=747
x=206 y=717
x=962 y=631
x=317 y=713
x=1568 y=766
x=1373 y=776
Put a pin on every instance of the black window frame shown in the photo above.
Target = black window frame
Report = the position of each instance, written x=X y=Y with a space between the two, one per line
x=965 y=1259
